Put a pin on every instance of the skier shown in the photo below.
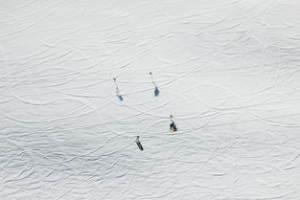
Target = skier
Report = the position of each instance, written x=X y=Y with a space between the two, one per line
x=139 y=143
x=172 y=125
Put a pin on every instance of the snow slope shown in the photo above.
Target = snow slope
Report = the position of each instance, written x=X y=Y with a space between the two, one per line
x=228 y=71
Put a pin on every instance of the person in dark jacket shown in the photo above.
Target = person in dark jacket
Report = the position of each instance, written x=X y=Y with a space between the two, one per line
x=139 y=143
x=172 y=125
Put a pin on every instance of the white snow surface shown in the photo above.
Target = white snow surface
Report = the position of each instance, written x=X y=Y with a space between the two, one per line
x=228 y=71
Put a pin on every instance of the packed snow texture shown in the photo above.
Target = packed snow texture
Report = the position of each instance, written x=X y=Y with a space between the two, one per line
x=80 y=79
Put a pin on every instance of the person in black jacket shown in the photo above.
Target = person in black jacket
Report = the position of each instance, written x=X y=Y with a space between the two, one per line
x=172 y=125
x=139 y=143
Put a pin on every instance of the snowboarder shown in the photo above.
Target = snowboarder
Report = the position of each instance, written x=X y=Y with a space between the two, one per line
x=139 y=143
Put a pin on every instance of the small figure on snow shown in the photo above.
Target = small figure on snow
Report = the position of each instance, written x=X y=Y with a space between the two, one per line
x=117 y=90
x=139 y=143
x=172 y=125
x=156 y=90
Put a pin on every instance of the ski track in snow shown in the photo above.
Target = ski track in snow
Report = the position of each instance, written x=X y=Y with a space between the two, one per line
x=228 y=71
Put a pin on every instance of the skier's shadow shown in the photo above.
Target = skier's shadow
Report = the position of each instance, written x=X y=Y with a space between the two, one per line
x=120 y=97
x=156 y=90
x=117 y=90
